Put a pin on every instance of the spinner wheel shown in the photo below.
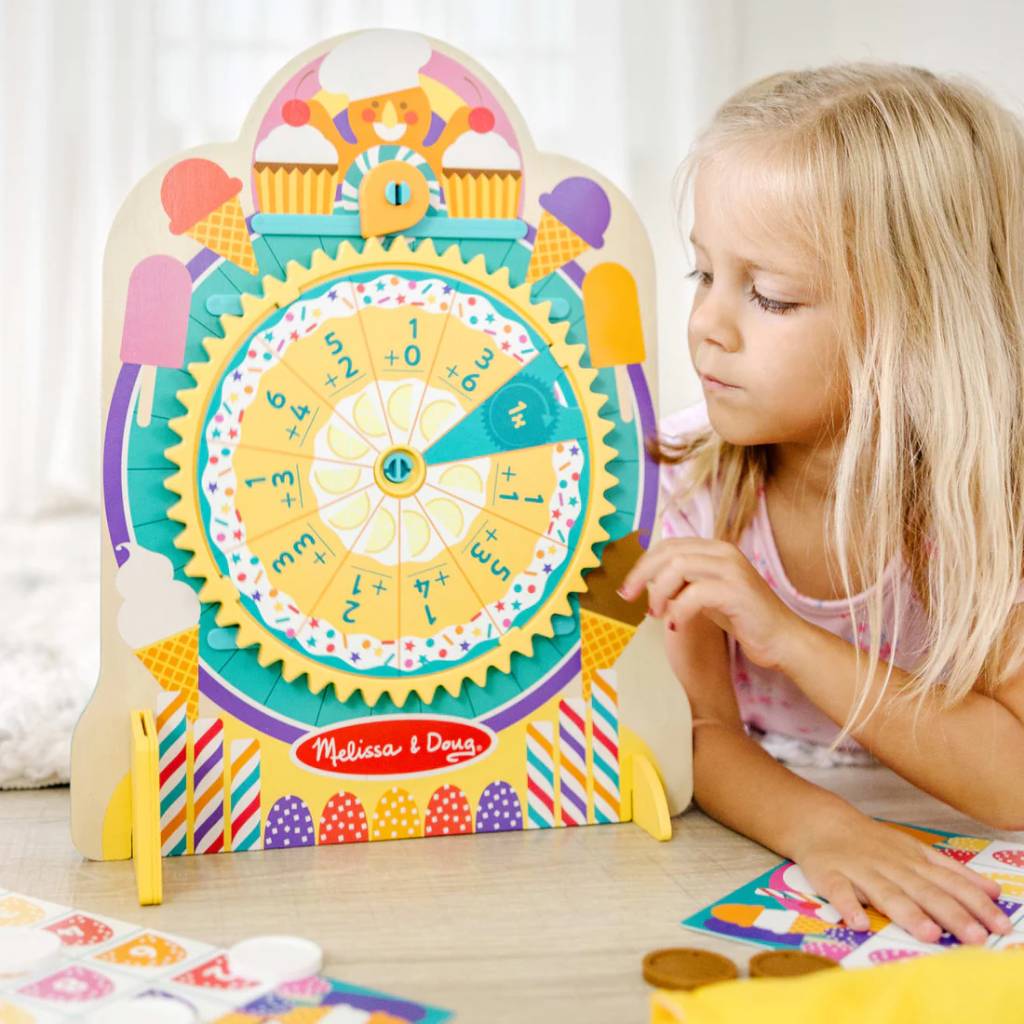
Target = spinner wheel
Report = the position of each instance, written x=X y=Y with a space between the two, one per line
x=392 y=472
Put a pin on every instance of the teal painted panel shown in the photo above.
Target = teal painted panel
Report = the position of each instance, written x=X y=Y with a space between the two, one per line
x=165 y=393
x=286 y=248
x=333 y=710
x=294 y=700
x=494 y=253
x=146 y=447
x=159 y=536
x=148 y=499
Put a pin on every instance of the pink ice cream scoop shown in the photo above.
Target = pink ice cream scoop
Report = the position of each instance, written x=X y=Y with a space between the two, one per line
x=155 y=323
x=194 y=188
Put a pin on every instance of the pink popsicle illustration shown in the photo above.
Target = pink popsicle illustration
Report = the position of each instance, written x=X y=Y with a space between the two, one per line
x=155 y=323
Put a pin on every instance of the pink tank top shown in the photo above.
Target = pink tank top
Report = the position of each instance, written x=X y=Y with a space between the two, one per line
x=769 y=702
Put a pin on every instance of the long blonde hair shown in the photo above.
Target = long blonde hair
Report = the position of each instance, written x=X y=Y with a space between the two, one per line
x=908 y=190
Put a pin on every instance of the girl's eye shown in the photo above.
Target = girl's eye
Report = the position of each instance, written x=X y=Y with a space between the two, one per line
x=769 y=305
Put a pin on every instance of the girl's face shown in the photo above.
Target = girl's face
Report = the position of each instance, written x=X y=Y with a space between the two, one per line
x=758 y=326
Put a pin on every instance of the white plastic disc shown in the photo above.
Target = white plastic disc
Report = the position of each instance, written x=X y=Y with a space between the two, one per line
x=26 y=950
x=275 y=959
x=151 y=1009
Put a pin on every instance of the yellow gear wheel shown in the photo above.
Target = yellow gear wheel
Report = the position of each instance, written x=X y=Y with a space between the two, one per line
x=332 y=507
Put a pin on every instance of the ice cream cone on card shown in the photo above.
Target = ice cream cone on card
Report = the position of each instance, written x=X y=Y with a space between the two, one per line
x=607 y=622
x=159 y=620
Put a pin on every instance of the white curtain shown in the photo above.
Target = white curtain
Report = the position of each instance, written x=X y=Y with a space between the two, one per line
x=94 y=93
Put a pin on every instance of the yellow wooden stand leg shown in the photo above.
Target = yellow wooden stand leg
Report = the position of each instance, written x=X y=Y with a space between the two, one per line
x=650 y=808
x=146 y=809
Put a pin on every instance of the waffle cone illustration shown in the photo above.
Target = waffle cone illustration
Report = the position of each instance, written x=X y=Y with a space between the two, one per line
x=576 y=213
x=607 y=622
x=174 y=663
x=554 y=246
x=602 y=641
x=201 y=199
x=224 y=231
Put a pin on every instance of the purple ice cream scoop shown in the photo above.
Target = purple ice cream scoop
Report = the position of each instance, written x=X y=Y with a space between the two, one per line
x=582 y=206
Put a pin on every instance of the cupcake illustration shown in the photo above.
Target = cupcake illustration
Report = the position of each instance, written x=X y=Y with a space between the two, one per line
x=482 y=175
x=295 y=166
x=159 y=620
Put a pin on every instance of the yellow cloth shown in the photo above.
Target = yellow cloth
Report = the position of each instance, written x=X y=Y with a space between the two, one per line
x=954 y=987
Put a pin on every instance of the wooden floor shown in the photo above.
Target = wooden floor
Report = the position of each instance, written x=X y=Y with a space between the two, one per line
x=535 y=926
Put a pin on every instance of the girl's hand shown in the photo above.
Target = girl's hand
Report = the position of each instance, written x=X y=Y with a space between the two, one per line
x=863 y=861
x=690 y=575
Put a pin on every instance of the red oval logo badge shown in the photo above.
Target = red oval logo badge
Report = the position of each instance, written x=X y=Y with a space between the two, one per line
x=412 y=745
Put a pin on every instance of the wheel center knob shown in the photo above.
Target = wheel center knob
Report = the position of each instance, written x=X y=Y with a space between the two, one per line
x=399 y=471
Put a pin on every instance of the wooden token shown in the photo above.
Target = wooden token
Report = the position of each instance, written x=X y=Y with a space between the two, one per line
x=686 y=968
x=787 y=963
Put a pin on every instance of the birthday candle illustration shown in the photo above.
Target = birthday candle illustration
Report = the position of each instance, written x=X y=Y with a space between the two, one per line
x=604 y=718
x=245 y=795
x=540 y=775
x=171 y=743
x=208 y=784
x=572 y=760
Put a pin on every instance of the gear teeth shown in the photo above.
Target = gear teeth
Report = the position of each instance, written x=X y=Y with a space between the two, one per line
x=280 y=291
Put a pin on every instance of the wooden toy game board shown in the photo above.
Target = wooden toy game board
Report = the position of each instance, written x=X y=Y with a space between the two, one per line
x=377 y=378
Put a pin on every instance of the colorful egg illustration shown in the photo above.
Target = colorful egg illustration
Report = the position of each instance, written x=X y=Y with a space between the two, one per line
x=343 y=821
x=289 y=824
x=396 y=816
x=448 y=813
x=499 y=809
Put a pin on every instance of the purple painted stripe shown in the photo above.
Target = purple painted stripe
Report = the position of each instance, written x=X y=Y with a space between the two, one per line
x=538 y=696
x=201 y=262
x=213 y=761
x=113 y=452
x=574 y=798
x=214 y=817
x=230 y=702
x=572 y=743
x=649 y=426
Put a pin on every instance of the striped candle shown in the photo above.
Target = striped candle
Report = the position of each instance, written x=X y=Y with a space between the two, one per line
x=208 y=785
x=540 y=775
x=245 y=795
x=572 y=760
x=604 y=722
x=172 y=740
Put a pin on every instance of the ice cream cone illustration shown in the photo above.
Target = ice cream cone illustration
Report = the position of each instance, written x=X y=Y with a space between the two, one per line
x=576 y=215
x=202 y=201
x=159 y=620
x=607 y=622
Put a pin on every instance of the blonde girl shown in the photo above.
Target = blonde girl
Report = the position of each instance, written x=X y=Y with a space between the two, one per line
x=843 y=514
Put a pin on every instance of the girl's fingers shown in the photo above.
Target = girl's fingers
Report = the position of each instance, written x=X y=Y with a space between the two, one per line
x=650 y=563
x=674 y=575
x=900 y=908
x=987 y=885
x=974 y=899
x=839 y=891
x=943 y=908
x=693 y=599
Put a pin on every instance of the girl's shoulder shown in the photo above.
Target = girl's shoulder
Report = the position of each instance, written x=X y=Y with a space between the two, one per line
x=693 y=516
